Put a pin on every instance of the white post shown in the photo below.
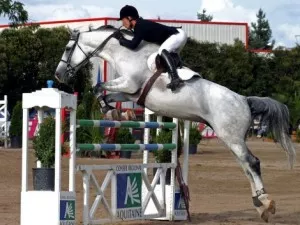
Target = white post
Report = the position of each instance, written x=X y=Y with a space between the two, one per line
x=186 y=142
x=72 y=160
x=146 y=139
x=86 y=194
x=174 y=162
x=158 y=119
x=5 y=122
x=40 y=121
x=25 y=151
x=57 y=150
x=40 y=118
x=114 y=195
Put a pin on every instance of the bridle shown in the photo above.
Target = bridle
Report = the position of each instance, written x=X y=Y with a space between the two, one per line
x=75 y=37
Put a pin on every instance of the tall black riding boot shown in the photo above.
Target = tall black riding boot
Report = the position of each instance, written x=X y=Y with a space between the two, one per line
x=171 y=68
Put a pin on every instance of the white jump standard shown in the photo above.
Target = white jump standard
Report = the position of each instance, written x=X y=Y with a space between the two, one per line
x=49 y=207
x=133 y=195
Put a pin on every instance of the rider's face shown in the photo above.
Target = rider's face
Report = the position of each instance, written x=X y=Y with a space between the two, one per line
x=126 y=23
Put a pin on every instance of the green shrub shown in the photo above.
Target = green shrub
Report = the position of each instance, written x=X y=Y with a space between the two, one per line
x=44 y=143
x=195 y=136
x=124 y=136
x=164 y=137
x=15 y=128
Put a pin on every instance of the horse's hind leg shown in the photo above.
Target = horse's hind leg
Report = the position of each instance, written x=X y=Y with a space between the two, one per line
x=251 y=167
x=260 y=198
x=263 y=213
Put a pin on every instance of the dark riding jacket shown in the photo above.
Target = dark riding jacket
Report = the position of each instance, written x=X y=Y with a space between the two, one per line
x=148 y=31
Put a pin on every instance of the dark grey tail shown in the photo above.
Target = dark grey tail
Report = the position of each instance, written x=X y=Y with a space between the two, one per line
x=276 y=116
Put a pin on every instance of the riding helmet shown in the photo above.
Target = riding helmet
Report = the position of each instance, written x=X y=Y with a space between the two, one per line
x=128 y=10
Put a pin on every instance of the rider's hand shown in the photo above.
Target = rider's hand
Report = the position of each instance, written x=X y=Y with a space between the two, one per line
x=118 y=35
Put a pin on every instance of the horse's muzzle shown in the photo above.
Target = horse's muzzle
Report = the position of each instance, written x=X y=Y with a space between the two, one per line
x=58 y=77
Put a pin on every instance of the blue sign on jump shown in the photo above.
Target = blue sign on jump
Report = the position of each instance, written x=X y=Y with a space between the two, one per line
x=129 y=192
x=179 y=202
x=67 y=211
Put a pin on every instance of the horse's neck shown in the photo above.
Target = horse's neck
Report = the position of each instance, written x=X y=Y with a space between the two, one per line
x=94 y=39
x=119 y=57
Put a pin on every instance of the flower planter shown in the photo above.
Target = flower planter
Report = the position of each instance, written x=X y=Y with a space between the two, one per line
x=43 y=179
x=16 y=142
x=192 y=149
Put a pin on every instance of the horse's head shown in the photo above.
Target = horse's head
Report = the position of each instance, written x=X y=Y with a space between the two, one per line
x=72 y=59
x=78 y=51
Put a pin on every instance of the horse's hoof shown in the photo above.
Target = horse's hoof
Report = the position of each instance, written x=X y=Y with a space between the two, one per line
x=269 y=205
x=113 y=114
x=265 y=216
x=131 y=115
x=116 y=114
x=272 y=207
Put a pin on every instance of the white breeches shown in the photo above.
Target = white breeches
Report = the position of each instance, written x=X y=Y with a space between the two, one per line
x=174 y=43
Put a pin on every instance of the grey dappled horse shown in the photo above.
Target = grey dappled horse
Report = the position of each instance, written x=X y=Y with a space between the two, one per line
x=228 y=113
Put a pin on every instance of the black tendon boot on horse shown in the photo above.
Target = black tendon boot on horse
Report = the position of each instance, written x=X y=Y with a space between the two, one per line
x=98 y=92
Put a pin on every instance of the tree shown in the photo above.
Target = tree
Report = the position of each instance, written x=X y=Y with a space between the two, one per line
x=264 y=75
x=261 y=32
x=29 y=57
x=233 y=69
x=15 y=12
x=201 y=57
x=204 y=17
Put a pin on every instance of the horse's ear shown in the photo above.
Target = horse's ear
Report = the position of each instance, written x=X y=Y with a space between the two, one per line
x=91 y=27
x=69 y=30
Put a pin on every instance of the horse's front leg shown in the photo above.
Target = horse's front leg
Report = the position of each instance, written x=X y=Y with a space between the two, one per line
x=104 y=100
x=121 y=97
x=110 y=111
x=113 y=83
x=116 y=97
x=121 y=84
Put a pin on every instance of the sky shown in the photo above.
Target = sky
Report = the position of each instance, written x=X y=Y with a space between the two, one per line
x=282 y=14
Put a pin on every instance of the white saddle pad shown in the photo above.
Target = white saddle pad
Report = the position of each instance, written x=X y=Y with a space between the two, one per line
x=184 y=73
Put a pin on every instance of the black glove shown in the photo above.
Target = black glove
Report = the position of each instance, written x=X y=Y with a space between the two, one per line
x=118 y=35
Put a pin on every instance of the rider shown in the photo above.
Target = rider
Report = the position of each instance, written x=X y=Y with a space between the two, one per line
x=170 y=39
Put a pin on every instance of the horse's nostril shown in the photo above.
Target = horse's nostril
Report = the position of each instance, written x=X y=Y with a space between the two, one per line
x=57 y=76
